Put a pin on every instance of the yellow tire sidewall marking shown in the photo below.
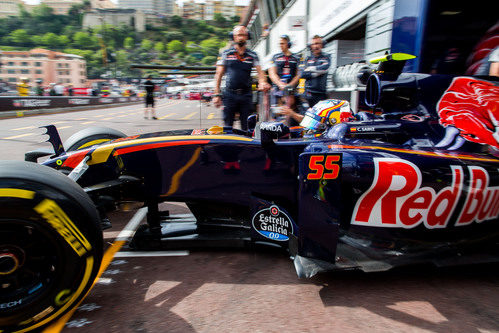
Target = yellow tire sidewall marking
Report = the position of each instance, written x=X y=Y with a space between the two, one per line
x=16 y=193
x=88 y=271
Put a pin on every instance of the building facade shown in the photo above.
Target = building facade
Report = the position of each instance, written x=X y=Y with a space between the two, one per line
x=161 y=7
x=61 y=7
x=130 y=17
x=207 y=10
x=45 y=65
x=9 y=7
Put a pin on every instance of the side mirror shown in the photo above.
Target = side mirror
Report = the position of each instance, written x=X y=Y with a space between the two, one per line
x=269 y=131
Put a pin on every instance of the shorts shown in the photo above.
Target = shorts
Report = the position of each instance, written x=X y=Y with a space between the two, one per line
x=149 y=101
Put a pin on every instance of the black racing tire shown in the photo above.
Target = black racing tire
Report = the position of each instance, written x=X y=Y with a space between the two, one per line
x=50 y=245
x=91 y=136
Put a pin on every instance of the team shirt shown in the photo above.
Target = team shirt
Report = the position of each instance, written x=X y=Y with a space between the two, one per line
x=287 y=66
x=238 y=68
x=317 y=77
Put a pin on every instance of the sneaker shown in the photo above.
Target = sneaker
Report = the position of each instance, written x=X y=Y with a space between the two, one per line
x=154 y=118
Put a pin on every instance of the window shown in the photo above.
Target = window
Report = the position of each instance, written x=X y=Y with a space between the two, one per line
x=24 y=71
x=24 y=63
x=12 y=79
x=82 y=81
x=11 y=71
x=38 y=71
x=38 y=64
x=10 y=63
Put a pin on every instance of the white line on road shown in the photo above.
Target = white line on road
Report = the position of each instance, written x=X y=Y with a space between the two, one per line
x=63 y=127
x=18 y=136
x=168 y=115
x=88 y=122
x=126 y=254
x=190 y=115
x=23 y=128
x=132 y=225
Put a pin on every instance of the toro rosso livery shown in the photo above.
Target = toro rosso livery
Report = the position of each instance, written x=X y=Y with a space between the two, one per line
x=414 y=181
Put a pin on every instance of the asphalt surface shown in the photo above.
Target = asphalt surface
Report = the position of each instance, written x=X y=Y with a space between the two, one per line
x=251 y=291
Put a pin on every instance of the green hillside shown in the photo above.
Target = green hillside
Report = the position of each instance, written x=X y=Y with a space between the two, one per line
x=177 y=41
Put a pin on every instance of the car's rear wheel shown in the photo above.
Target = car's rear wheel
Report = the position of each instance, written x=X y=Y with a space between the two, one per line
x=91 y=136
x=50 y=245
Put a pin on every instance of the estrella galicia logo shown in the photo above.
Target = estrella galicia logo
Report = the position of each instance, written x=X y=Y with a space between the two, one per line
x=273 y=223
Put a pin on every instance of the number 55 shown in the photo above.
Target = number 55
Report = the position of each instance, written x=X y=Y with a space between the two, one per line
x=328 y=169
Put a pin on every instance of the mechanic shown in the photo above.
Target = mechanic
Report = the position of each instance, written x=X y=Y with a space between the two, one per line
x=149 y=98
x=314 y=69
x=284 y=72
x=237 y=62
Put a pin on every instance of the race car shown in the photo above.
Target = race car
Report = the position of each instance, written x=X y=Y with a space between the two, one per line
x=415 y=180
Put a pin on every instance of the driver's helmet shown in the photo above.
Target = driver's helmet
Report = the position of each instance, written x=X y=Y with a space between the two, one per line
x=326 y=113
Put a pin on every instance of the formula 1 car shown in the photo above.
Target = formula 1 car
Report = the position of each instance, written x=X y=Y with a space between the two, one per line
x=415 y=180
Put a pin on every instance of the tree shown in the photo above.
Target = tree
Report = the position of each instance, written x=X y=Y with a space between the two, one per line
x=37 y=40
x=83 y=40
x=192 y=47
x=51 y=40
x=191 y=60
x=209 y=60
x=160 y=47
x=220 y=20
x=175 y=46
x=20 y=37
x=42 y=11
x=211 y=46
x=173 y=35
x=176 y=21
x=146 y=44
x=63 y=40
x=129 y=43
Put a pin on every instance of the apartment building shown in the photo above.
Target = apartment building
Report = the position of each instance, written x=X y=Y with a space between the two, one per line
x=43 y=64
x=9 y=7
x=162 y=7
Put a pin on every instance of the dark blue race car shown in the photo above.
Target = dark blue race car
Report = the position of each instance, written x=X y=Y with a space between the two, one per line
x=415 y=180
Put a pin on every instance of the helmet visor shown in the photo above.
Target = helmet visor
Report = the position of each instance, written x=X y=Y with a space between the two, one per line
x=312 y=121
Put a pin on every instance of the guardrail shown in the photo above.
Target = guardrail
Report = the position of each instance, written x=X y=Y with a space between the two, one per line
x=17 y=103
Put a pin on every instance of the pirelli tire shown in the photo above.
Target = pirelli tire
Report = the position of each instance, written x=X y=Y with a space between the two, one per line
x=91 y=136
x=50 y=245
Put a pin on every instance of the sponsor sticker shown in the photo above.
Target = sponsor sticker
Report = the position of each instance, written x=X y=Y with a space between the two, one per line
x=79 y=101
x=398 y=199
x=56 y=217
x=30 y=102
x=273 y=223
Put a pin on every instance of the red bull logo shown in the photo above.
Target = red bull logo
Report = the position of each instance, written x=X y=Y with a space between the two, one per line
x=469 y=108
x=396 y=198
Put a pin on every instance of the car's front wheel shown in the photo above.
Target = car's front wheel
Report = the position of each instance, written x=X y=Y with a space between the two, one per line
x=50 y=245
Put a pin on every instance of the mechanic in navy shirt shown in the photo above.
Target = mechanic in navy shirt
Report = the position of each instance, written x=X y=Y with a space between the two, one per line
x=283 y=71
x=237 y=62
x=314 y=70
